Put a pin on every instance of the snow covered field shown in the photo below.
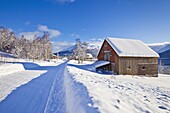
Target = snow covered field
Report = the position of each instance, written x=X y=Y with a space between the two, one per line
x=61 y=87
x=122 y=94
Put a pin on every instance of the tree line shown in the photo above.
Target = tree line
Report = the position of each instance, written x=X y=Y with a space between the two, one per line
x=20 y=47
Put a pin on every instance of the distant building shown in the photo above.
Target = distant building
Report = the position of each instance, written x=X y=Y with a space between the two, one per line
x=128 y=57
x=89 y=56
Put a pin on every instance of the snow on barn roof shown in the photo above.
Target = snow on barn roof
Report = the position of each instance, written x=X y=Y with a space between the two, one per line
x=100 y=63
x=131 y=48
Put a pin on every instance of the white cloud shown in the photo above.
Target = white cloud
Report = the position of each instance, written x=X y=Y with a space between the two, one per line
x=75 y=35
x=96 y=42
x=53 y=32
x=42 y=28
x=39 y=32
x=58 y=46
x=30 y=35
x=65 y=1
x=93 y=39
x=100 y=40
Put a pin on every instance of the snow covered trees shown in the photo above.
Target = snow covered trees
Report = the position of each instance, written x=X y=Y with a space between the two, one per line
x=39 y=48
x=80 y=51
x=7 y=39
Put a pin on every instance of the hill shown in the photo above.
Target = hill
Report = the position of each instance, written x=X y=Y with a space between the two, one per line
x=160 y=47
x=91 y=48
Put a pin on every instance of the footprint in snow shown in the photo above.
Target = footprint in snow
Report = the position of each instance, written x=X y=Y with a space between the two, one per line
x=118 y=100
x=116 y=106
x=162 y=107
x=109 y=86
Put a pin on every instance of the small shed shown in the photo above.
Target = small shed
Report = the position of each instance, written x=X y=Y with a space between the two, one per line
x=129 y=57
x=89 y=56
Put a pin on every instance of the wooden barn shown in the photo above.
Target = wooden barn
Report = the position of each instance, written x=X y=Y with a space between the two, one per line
x=128 y=57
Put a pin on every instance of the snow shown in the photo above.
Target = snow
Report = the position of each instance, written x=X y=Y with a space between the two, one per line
x=13 y=75
x=100 y=63
x=61 y=87
x=43 y=87
x=123 y=93
x=9 y=68
x=77 y=98
x=37 y=89
x=132 y=48
x=4 y=54
x=89 y=56
x=71 y=48
x=11 y=82
x=160 y=47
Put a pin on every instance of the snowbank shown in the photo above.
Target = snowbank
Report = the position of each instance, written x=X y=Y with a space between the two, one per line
x=10 y=68
x=49 y=63
x=8 y=55
x=77 y=97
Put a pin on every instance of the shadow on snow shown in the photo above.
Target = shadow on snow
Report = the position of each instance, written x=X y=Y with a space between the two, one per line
x=33 y=97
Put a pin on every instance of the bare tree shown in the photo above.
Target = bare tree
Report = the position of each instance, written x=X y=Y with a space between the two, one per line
x=7 y=39
x=80 y=51
x=39 y=48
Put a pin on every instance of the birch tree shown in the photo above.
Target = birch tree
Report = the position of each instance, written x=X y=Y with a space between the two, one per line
x=7 y=39
x=80 y=51
x=38 y=48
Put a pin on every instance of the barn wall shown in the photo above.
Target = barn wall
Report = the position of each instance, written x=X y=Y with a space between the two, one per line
x=138 y=66
x=113 y=58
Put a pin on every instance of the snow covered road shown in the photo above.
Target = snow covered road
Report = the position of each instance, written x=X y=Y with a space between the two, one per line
x=44 y=94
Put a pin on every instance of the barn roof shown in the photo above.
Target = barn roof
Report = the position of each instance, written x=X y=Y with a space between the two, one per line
x=100 y=63
x=131 y=48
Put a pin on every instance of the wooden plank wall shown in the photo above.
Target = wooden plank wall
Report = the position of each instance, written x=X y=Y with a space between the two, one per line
x=133 y=66
x=113 y=58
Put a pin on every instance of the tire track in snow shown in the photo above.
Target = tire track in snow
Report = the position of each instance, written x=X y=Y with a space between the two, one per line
x=56 y=98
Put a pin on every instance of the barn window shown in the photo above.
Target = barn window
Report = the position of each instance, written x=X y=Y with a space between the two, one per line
x=143 y=68
x=129 y=68
x=105 y=47
x=106 y=55
x=110 y=52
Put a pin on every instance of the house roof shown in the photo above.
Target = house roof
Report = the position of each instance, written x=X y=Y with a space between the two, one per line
x=130 y=48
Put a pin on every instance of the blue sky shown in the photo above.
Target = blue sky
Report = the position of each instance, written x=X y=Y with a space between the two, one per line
x=89 y=20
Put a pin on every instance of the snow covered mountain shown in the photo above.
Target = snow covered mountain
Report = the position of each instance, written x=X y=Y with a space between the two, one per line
x=91 y=48
x=163 y=49
x=160 y=47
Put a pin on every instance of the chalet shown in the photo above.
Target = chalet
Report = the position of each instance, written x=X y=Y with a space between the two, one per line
x=128 y=57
